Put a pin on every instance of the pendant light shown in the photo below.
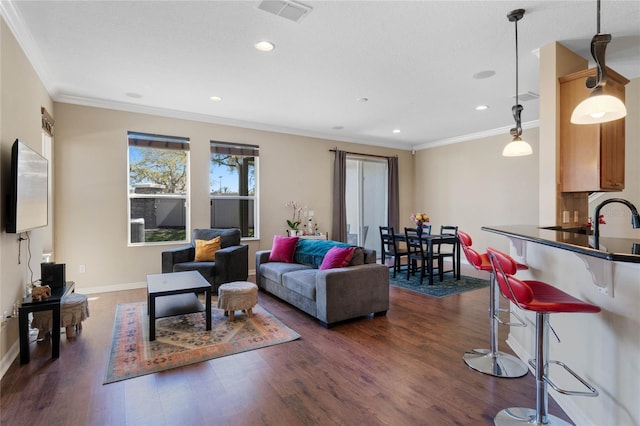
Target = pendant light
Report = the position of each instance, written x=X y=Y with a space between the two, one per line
x=517 y=147
x=598 y=107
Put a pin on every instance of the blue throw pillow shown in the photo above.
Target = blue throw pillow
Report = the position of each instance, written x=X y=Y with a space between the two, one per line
x=312 y=252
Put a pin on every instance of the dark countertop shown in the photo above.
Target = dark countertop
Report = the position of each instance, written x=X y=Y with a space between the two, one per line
x=616 y=249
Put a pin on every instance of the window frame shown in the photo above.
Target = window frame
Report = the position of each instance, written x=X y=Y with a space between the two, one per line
x=168 y=141
x=243 y=150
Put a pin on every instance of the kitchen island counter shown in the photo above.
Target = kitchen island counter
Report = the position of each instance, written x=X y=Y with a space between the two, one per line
x=615 y=249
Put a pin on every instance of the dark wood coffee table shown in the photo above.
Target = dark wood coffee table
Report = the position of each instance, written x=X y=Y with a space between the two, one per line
x=175 y=294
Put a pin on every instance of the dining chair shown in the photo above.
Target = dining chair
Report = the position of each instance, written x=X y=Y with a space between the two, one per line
x=447 y=249
x=418 y=256
x=391 y=247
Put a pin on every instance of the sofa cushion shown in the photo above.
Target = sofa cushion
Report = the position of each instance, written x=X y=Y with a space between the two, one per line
x=302 y=282
x=274 y=270
x=283 y=249
x=206 y=269
x=311 y=252
x=337 y=257
x=358 y=257
x=206 y=250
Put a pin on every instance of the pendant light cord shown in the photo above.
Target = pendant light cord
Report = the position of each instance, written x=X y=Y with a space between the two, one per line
x=514 y=17
x=598 y=27
x=516 y=22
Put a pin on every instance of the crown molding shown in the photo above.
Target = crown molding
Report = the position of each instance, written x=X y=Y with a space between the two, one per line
x=472 y=136
x=17 y=26
x=212 y=119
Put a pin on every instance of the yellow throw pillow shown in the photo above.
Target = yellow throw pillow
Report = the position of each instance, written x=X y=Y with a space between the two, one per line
x=206 y=250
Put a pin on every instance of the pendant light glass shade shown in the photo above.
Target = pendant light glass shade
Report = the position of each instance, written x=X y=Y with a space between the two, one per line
x=598 y=108
x=517 y=148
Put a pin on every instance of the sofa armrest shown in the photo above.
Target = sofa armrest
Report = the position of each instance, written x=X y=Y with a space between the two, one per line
x=262 y=256
x=232 y=264
x=344 y=293
x=177 y=255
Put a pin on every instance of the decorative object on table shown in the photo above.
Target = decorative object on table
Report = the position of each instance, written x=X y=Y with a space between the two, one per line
x=419 y=219
x=517 y=147
x=183 y=340
x=294 y=223
x=448 y=287
x=41 y=293
x=311 y=226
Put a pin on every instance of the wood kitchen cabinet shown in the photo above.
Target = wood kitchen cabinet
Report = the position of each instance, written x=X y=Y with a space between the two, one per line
x=591 y=155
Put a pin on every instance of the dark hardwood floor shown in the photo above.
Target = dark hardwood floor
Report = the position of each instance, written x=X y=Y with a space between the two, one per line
x=405 y=368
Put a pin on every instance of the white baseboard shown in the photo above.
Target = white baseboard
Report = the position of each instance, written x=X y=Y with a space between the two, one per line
x=9 y=357
x=108 y=288
x=565 y=402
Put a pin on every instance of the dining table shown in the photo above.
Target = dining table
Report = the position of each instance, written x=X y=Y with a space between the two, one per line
x=431 y=240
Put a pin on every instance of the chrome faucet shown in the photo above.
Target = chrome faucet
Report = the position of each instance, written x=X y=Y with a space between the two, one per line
x=635 y=218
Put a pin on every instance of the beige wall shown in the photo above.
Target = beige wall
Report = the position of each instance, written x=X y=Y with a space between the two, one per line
x=91 y=187
x=470 y=184
x=22 y=96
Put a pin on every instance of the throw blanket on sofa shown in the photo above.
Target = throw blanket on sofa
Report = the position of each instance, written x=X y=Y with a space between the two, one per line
x=311 y=252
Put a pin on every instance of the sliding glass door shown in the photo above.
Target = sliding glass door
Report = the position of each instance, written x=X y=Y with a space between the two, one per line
x=366 y=200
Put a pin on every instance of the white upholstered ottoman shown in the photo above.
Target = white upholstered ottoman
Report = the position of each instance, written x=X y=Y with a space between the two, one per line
x=74 y=309
x=237 y=296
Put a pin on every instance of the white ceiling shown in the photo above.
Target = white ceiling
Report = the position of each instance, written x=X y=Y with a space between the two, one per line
x=413 y=60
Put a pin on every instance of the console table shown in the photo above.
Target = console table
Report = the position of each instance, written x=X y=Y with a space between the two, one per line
x=51 y=304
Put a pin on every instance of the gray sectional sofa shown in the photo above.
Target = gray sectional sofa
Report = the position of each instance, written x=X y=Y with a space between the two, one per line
x=330 y=295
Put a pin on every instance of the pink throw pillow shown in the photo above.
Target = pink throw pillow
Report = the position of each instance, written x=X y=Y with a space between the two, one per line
x=283 y=249
x=337 y=257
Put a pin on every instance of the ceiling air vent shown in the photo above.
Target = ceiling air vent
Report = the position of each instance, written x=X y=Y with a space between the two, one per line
x=291 y=10
x=529 y=96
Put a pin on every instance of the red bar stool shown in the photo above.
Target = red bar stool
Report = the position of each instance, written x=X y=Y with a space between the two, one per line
x=543 y=299
x=491 y=361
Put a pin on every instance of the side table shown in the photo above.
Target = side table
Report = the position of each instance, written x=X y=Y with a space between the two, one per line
x=174 y=293
x=51 y=304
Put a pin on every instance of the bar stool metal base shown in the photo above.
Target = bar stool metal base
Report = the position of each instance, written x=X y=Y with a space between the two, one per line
x=498 y=364
x=525 y=416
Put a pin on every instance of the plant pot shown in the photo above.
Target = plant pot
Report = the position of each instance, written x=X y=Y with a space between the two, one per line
x=292 y=232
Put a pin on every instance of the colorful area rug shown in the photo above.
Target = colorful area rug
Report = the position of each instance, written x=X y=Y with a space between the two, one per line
x=183 y=340
x=447 y=287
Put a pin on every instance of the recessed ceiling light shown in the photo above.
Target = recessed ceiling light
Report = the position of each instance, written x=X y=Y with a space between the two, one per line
x=264 y=46
x=215 y=98
x=133 y=95
x=482 y=107
x=338 y=127
x=363 y=99
x=396 y=131
x=484 y=74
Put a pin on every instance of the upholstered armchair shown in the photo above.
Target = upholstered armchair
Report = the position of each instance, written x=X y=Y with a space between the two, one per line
x=231 y=261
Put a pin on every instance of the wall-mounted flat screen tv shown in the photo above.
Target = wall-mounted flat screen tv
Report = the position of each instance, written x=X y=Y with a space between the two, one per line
x=27 y=201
